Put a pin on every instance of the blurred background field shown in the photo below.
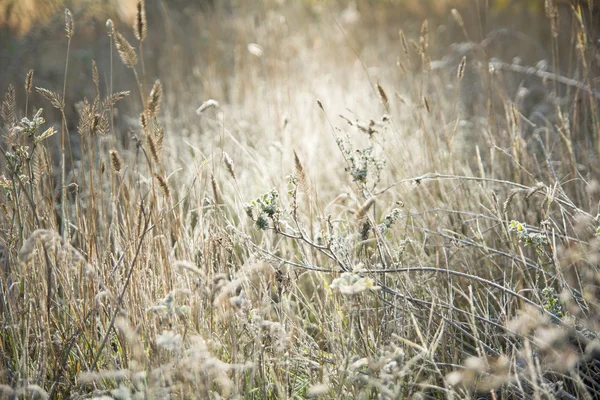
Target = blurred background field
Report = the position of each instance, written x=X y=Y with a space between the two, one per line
x=292 y=199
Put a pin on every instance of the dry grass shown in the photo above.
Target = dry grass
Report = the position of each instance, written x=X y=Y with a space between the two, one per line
x=331 y=212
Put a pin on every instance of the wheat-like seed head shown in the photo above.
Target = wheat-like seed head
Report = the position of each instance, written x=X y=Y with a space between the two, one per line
x=303 y=182
x=115 y=161
x=9 y=105
x=144 y=121
x=154 y=100
x=159 y=134
x=152 y=145
x=69 y=25
x=96 y=124
x=95 y=75
x=54 y=98
x=164 y=185
x=29 y=81
x=424 y=34
x=111 y=100
x=549 y=7
x=126 y=51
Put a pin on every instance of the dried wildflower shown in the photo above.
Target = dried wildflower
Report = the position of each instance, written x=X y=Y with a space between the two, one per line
x=353 y=284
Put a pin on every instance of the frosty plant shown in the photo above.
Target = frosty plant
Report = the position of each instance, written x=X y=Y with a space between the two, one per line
x=351 y=284
x=19 y=154
x=533 y=239
x=264 y=208
x=363 y=164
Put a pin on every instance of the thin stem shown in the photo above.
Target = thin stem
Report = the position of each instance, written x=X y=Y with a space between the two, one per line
x=64 y=223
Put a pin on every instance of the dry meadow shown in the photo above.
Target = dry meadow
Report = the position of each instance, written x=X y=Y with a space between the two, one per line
x=300 y=199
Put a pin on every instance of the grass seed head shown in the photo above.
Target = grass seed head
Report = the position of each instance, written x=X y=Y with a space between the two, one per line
x=110 y=27
x=404 y=44
x=155 y=99
x=95 y=75
x=229 y=164
x=115 y=161
x=362 y=210
x=164 y=185
x=29 y=81
x=457 y=18
x=69 y=25
x=125 y=50
x=9 y=105
x=461 y=68
x=215 y=189
x=383 y=96
x=206 y=105
x=140 y=27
